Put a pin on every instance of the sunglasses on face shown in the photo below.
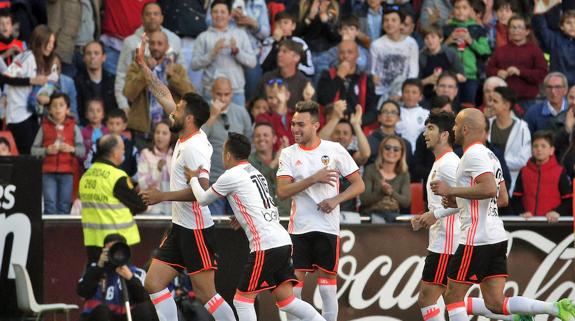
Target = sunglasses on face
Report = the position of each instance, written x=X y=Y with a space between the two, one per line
x=277 y=81
x=389 y=148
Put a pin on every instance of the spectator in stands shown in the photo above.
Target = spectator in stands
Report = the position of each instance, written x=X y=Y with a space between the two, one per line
x=543 y=188
x=258 y=106
x=568 y=155
x=349 y=83
x=5 y=148
x=541 y=116
x=154 y=167
x=408 y=29
x=145 y=110
x=284 y=28
x=435 y=12
x=318 y=27
x=152 y=19
x=447 y=86
x=101 y=288
x=349 y=30
x=225 y=117
x=435 y=58
x=498 y=30
x=469 y=38
x=264 y=159
x=222 y=51
x=489 y=86
x=413 y=116
x=58 y=142
x=38 y=60
x=371 y=19
x=279 y=115
x=560 y=44
x=387 y=182
x=394 y=57
x=95 y=128
x=389 y=116
x=120 y=19
x=10 y=47
x=93 y=81
x=76 y=24
x=520 y=62
x=290 y=53
x=509 y=133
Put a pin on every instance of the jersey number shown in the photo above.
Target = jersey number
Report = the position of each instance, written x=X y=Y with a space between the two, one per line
x=263 y=189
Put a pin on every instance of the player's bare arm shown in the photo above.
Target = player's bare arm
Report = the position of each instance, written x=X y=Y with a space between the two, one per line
x=503 y=198
x=287 y=187
x=357 y=187
x=484 y=188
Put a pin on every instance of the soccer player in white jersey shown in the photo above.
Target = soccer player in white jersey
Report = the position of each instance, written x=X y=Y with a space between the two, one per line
x=269 y=265
x=190 y=243
x=482 y=253
x=444 y=233
x=308 y=172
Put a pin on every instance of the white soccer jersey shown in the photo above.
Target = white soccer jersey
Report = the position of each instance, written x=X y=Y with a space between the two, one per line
x=480 y=222
x=192 y=151
x=444 y=234
x=247 y=191
x=299 y=163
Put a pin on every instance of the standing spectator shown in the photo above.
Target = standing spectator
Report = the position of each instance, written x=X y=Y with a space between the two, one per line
x=38 y=60
x=154 y=167
x=408 y=29
x=387 y=182
x=520 y=62
x=279 y=115
x=413 y=116
x=371 y=19
x=559 y=44
x=9 y=45
x=568 y=155
x=499 y=27
x=93 y=81
x=152 y=19
x=119 y=20
x=58 y=142
x=435 y=12
x=76 y=23
x=349 y=31
x=470 y=39
x=541 y=115
x=394 y=57
x=349 y=83
x=225 y=117
x=389 y=116
x=146 y=110
x=222 y=51
x=95 y=128
x=509 y=133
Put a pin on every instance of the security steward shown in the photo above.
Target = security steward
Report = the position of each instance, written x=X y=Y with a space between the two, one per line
x=108 y=198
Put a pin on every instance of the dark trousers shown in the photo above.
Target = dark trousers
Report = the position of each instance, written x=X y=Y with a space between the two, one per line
x=24 y=134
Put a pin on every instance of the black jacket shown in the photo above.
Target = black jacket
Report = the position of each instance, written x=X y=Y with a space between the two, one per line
x=87 y=89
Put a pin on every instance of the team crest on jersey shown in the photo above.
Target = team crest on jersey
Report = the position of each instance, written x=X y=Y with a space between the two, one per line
x=325 y=160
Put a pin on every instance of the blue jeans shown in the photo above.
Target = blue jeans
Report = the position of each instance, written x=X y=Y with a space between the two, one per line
x=320 y=62
x=252 y=76
x=57 y=191
x=112 y=57
x=187 y=54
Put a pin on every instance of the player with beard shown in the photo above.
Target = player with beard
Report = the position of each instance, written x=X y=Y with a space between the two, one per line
x=481 y=257
x=190 y=242
x=308 y=173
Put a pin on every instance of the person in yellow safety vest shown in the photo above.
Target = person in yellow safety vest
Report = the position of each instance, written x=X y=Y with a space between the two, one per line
x=108 y=198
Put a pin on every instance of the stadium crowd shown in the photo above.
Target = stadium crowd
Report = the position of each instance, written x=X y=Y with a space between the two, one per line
x=378 y=68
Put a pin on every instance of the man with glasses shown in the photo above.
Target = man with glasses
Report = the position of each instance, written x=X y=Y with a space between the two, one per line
x=447 y=86
x=548 y=113
x=225 y=117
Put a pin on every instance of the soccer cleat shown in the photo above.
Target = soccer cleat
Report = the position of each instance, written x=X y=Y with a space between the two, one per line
x=566 y=310
x=522 y=317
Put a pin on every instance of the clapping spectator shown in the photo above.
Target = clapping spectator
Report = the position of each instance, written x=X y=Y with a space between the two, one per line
x=279 y=115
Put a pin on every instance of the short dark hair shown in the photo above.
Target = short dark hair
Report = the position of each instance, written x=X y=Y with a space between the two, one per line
x=400 y=13
x=523 y=18
x=445 y=122
x=5 y=13
x=310 y=107
x=478 y=6
x=546 y=135
x=96 y=42
x=238 y=145
x=413 y=82
x=347 y=122
x=439 y=102
x=514 y=5
x=264 y=124
x=568 y=14
x=507 y=94
x=291 y=45
x=149 y=4
x=447 y=74
x=285 y=15
x=224 y=2
x=394 y=103
x=114 y=238
x=117 y=113
x=59 y=94
x=197 y=107
x=349 y=20
x=432 y=29
x=106 y=145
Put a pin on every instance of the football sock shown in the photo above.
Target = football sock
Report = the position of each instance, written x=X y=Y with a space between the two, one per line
x=328 y=293
x=165 y=305
x=523 y=305
x=476 y=306
x=220 y=309
x=432 y=313
x=301 y=310
x=245 y=308
x=457 y=312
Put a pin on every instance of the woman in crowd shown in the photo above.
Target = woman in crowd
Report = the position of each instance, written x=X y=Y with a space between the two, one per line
x=154 y=167
x=387 y=182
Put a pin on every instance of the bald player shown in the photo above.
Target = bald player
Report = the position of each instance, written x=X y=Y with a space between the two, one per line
x=481 y=257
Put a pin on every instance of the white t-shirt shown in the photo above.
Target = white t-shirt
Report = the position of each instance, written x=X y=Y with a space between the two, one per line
x=192 y=151
x=480 y=222
x=247 y=191
x=444 y=234
x=23 y=66
x=299 y=163
x=412 y=124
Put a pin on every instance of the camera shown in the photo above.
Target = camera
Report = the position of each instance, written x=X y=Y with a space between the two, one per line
x=119 y=254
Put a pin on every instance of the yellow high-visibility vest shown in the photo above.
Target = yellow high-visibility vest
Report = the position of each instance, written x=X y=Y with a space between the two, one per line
x=102 y=212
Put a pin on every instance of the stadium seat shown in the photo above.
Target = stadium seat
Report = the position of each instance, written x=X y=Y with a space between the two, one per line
x=417 y=206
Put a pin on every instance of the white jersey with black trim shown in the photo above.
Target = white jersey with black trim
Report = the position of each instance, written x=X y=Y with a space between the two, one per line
x=192 y=151
x=444 y=234
x=480 y=221
x=299 y=163
x=247 y=191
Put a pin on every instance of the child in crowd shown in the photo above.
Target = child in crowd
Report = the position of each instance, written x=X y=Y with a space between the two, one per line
x=394 y=57
x=258 y=107
x=559 y=44
x=470 y=39
x=408 y=29
x=95 y=127
x=542 y=187
x=498 y=30
x=436 y=57
x=413 y=116
x=58 y=142
x=349 y=30
x=10 y=47
x=277 y=96
x=285 y=25
x=371 y=19
x=5 y=149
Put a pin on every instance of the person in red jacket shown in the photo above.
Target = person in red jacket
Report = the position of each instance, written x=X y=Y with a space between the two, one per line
x=59 y=142
x=543 y=188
